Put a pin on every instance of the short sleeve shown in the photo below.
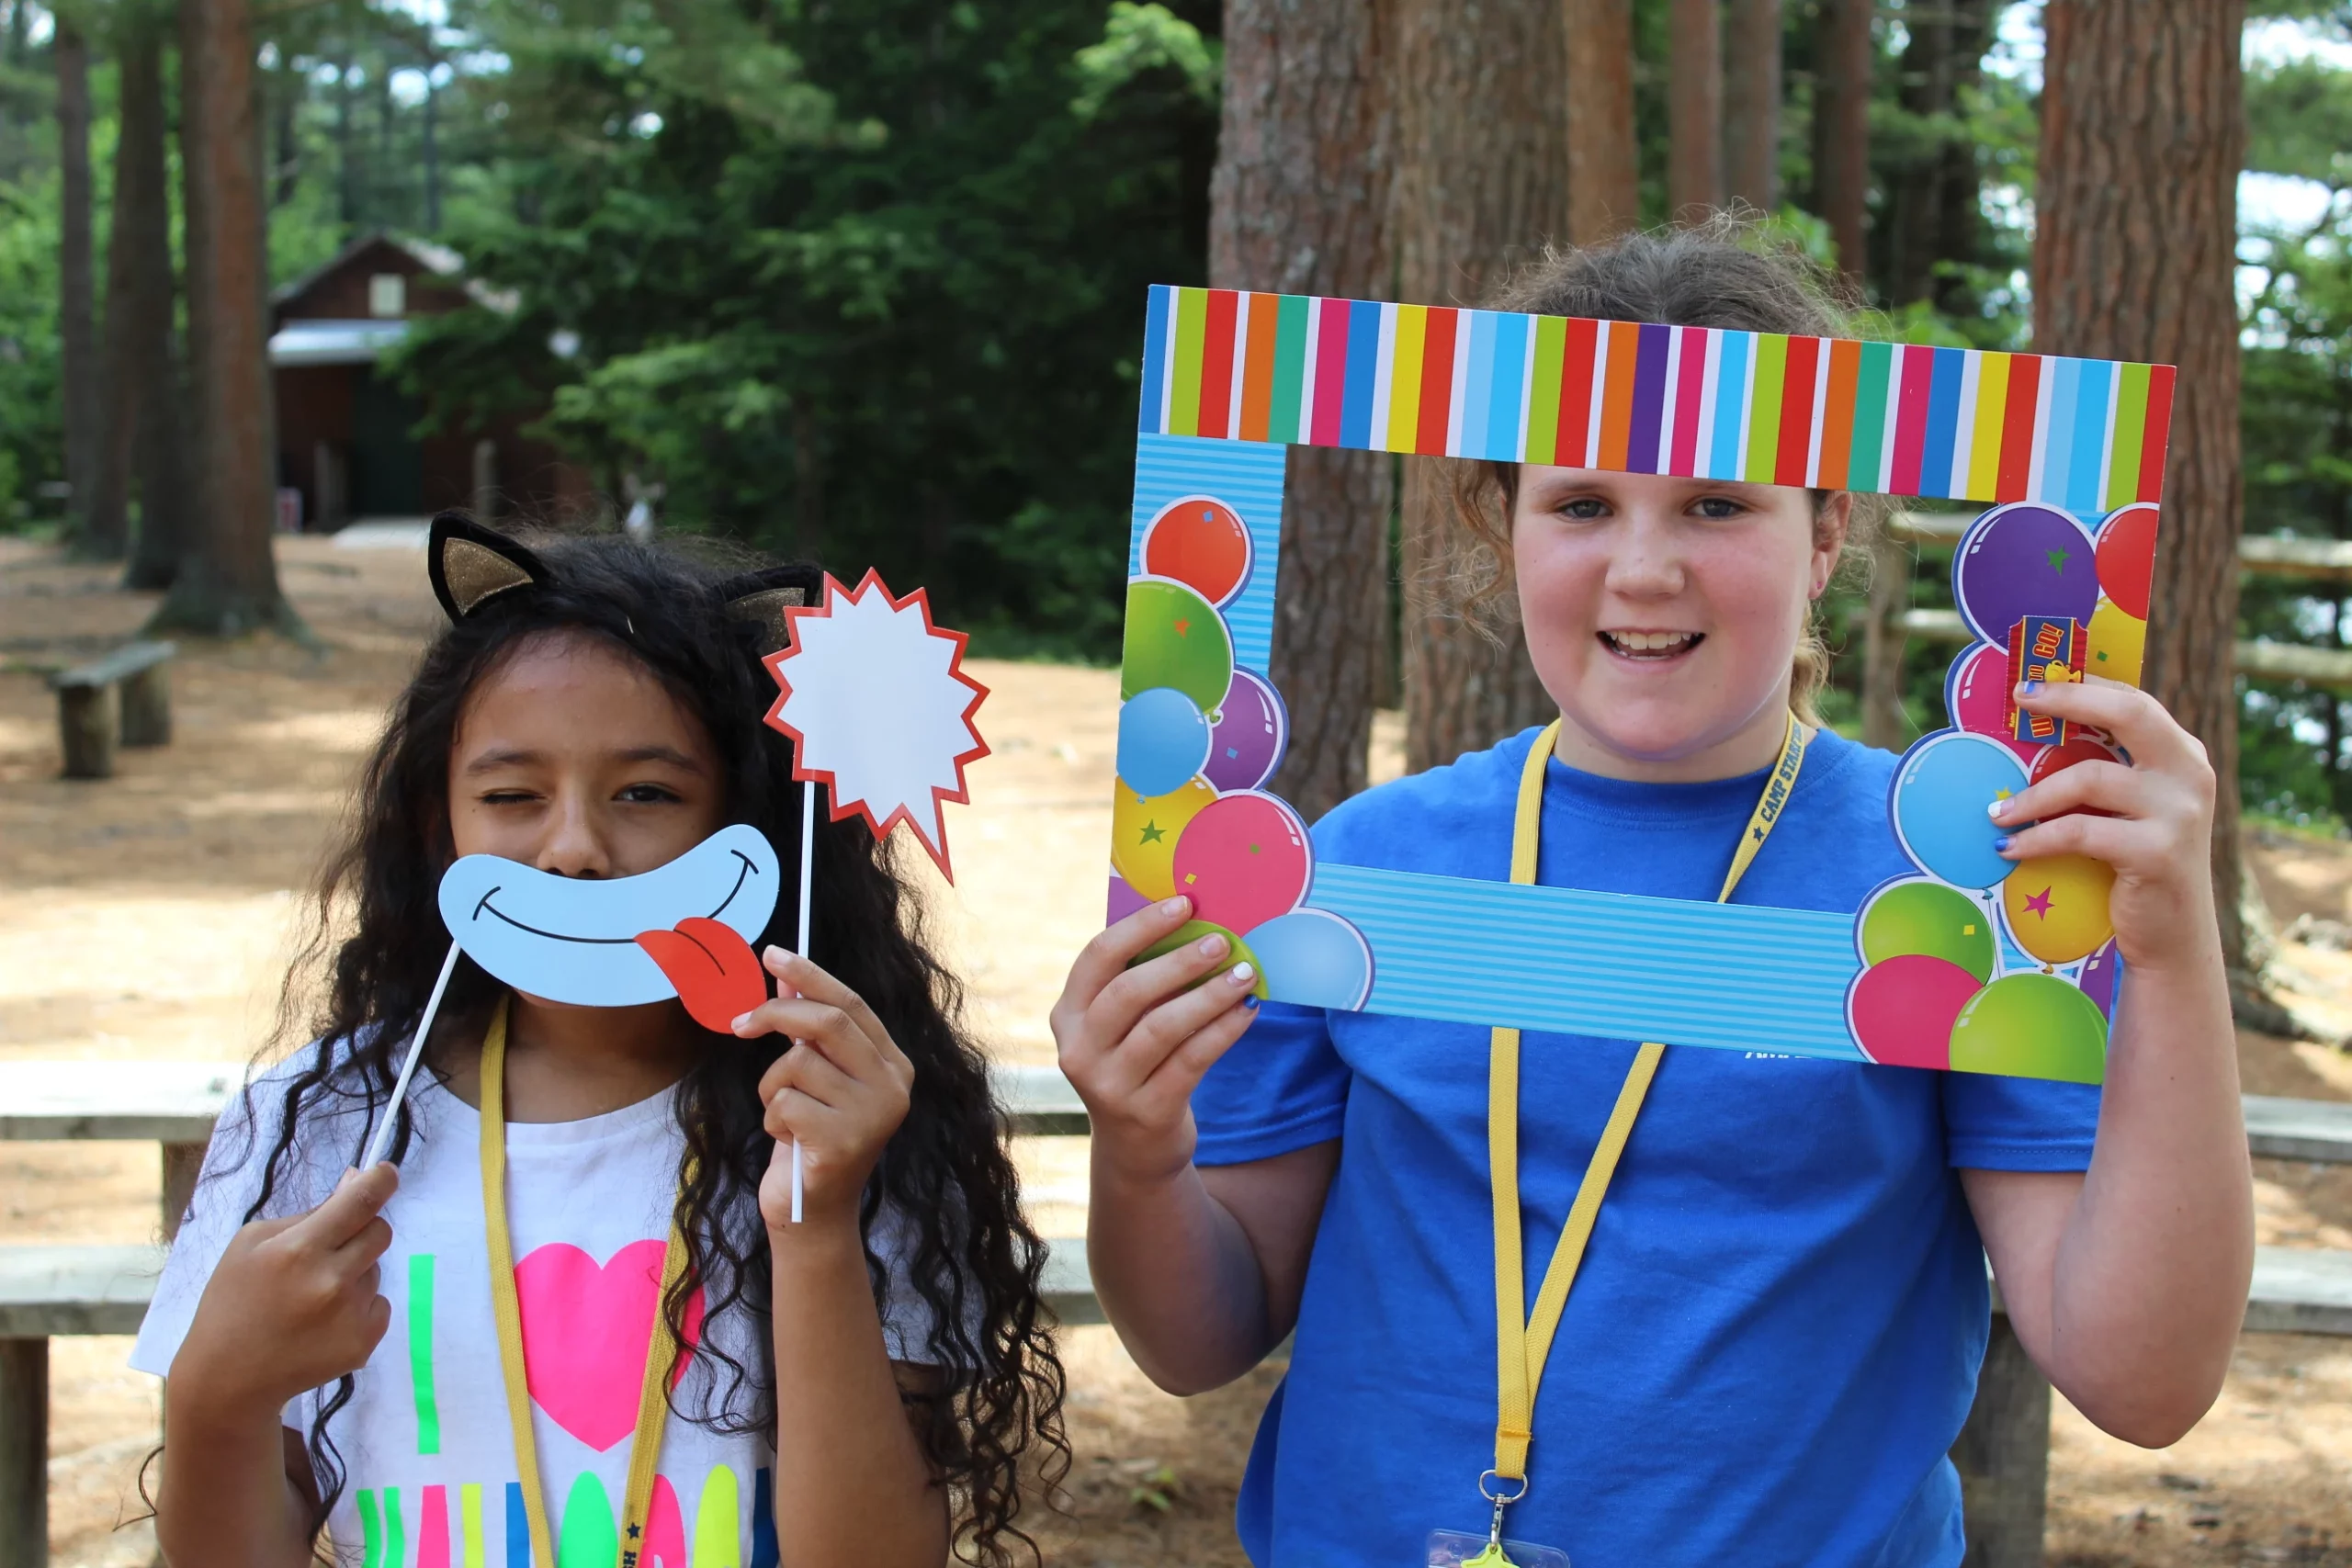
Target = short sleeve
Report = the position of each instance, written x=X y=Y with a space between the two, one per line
x=2005 y=1124
x=1282 y=1086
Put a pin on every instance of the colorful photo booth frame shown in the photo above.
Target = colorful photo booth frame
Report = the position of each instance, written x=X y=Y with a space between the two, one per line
x=1971 y=964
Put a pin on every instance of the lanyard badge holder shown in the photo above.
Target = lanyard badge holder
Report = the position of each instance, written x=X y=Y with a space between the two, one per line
x=1522 y=1345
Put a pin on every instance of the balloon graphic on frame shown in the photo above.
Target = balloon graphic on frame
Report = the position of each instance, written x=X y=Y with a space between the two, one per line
x=2127 y=558
x=1200 y=542
x=1163 y=740
x=2116 y=644
x=1144 y=830
x=1901 y=1011
x=2102 y=980
x=1922 y=918
x=2035 y=1026
x=1251 y=734
x=2057 y=907
x=1941 y=794
x=1314 y=958
x=1244 y=860
x=1237 y=952
x=2021 y=561
x=1175 y=638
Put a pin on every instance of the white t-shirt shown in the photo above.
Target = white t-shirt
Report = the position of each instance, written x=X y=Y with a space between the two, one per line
x=427 y=1449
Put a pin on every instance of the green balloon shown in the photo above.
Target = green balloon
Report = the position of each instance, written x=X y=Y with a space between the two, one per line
x=2031 y=1026
x=1237 y=952
x=1930 y=920
x=1176 y=638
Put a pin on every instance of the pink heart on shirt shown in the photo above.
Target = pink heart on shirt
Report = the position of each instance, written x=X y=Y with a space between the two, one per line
x=586 y=1329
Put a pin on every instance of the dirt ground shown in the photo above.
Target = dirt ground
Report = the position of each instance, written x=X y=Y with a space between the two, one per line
x=151 y=916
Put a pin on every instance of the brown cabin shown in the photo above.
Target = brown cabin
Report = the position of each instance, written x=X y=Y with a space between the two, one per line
x=347 y=439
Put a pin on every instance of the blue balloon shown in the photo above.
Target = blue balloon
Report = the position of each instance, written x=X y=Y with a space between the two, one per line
x=1941 y=795
x=1163 y=740
x=1314 y=958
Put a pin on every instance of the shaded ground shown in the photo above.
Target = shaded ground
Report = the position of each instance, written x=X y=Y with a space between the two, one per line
x=150 y=916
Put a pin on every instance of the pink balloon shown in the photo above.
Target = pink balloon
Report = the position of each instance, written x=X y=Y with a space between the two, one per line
x=1243 y=859
x=1901 y=1009
x=1977 y=691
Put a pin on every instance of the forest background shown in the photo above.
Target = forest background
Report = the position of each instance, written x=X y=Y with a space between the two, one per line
x=864 y=279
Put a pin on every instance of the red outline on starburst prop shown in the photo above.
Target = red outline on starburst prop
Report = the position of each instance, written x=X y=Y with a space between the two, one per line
x=961 y=795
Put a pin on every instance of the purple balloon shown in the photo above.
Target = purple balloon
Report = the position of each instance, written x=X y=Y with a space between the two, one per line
x=1124 y=900
x=2102 y=978
x=2024 y=561
x=1252 y=730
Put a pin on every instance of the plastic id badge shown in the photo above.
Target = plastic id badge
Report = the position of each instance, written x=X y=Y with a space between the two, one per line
x=1467 y=1549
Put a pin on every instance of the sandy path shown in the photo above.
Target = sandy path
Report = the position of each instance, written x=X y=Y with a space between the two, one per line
x=149 y=916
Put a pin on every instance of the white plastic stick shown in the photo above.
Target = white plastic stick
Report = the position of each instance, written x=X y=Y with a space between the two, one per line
x=807 y=879
x=376 y=1145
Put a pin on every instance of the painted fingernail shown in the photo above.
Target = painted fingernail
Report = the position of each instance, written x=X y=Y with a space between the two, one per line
x=740 y=1019
x=2032 y=687
x=2001 y=843
x=1250 y=1002
x=1172 y=907
x=1241 y=973
x=1211 y=946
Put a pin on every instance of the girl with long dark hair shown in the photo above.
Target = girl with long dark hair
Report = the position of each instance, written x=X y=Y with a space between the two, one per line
x=569 y=1321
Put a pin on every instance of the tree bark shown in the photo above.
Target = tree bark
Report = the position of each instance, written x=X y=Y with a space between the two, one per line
x=1604 y=170
x=1841 y=123
x=1694 y=109
x=1752 y=103
x=1481 y=180
x=1295 y=206
x=139 y=312
x=77 y=301
x=2142 y=135
x=227 y=582
x=1933 y=209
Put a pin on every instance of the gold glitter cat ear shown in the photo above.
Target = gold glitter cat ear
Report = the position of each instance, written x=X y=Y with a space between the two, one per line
x=472 y=565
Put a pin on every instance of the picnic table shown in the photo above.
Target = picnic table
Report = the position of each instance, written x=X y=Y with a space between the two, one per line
x=2003 y=1453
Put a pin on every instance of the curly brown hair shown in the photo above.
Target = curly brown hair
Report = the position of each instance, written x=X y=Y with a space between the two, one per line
x=1726 y=271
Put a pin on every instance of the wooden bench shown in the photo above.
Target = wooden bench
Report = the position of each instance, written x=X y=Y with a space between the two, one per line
x=2003 y=1452
x=125 y=695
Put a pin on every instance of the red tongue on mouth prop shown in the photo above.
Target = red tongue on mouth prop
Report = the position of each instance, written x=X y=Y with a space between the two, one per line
x=713 y=969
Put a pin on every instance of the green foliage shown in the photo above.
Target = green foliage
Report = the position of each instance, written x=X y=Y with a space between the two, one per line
x=31 y=437
x=886 y=315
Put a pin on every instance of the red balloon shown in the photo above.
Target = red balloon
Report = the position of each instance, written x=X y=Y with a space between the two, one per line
x=1202 y=544
x=1976 y=693
x=1243 y=859
x=1901 y=1009
x=2126 y=559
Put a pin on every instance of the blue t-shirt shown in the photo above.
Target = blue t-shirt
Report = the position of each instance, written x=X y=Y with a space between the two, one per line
x=1775 y=1333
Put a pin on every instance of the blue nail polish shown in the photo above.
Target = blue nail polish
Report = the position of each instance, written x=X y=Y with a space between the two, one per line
x=1250 y=1002
x=2001 y=843
x=2032 y=687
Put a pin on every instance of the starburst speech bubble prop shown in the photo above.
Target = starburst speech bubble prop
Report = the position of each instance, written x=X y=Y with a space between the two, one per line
x=879 y=710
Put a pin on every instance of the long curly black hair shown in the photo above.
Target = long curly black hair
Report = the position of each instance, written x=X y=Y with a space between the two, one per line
x=945 y=1181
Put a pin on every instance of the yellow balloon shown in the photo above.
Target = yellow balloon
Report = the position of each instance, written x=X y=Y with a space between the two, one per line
x=2115 y=644
x=2057 y=907
x=1144 y=830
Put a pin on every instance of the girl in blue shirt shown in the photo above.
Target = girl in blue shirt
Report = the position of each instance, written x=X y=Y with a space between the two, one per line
x=1774 y=1335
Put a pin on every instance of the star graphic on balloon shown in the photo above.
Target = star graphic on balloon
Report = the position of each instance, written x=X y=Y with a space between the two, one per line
x=2057 y=559
x=1152 y=833
x=2039 y=902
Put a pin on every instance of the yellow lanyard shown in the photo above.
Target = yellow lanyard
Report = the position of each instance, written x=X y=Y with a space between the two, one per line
x=661 y=1353
x=1522 y=1346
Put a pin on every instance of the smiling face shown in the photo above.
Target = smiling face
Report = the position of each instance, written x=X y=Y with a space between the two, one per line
x=574 y=759
x=1663 y=614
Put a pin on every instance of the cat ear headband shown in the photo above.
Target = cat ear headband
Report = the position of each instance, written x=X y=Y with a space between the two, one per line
x=470 y=565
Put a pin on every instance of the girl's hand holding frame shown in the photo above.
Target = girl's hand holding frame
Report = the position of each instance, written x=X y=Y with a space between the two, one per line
x=840 y=1092
x=1135 y=1043
x=2151 y=820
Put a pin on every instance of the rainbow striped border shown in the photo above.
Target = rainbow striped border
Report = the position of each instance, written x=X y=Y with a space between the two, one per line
x=1899 y=419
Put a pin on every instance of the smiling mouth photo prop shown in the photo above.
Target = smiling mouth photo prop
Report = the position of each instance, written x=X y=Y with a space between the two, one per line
x=1971 y=964
x=682 y=930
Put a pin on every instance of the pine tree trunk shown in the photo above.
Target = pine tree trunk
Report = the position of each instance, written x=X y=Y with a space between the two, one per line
x=227 y=582
x=130 y=320
x=1752 y=103
x=2142 y=136
x=1481 y=180
x=1841 y=127
x=1295 y=206
x=1694 y=109
x=77 y=303
x=145 y=420
x=1604 y=171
